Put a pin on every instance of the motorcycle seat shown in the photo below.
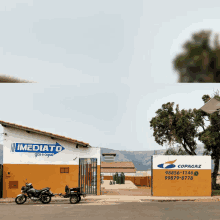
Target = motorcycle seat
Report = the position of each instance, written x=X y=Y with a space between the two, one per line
x=37 y=191
x=75 y=189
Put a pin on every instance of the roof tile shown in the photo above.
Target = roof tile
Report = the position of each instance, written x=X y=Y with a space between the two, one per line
x=42 y=132
x=117 y=165
x=118 y=170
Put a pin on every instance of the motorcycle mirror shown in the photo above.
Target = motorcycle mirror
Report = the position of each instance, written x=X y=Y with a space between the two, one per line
x=24 y=181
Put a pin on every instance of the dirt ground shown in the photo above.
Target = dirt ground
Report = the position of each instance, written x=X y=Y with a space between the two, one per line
x=141 y=191
x=143 y=187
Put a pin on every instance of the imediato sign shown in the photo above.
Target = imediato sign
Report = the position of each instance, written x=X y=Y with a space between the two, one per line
x=38 y=149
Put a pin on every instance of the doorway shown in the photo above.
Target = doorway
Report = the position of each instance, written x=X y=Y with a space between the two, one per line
x=88 y=175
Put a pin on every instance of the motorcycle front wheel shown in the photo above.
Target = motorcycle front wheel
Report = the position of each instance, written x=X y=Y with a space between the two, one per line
x=46 y=199
x=20 y=199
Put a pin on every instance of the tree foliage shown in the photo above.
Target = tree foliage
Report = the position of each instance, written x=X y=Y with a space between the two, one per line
x=199 y=62
x=172 y=126
x=173 y=151
x=210 y=137
x=10 y=79
x=176 y=127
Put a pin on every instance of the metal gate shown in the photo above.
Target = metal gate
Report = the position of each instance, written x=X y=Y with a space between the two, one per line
x=88 y=175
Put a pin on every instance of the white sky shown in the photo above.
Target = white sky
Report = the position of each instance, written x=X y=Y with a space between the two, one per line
x=116 y=119
x=112 y=58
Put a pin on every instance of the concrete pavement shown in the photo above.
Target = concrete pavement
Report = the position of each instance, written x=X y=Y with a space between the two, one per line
x=120 y=198
x=128 y=185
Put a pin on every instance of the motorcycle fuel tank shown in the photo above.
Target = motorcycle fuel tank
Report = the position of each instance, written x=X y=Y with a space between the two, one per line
x=31 y=190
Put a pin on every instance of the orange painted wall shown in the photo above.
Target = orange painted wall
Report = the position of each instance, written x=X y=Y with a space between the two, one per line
x=137 y=180
x=142 y=181
x=107 y=178
x=199 y=186
x=41 y=176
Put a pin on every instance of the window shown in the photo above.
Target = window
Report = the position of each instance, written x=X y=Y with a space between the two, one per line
x=64 y=169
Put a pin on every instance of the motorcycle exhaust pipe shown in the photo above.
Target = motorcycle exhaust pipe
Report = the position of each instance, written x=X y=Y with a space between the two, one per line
x=34 y=199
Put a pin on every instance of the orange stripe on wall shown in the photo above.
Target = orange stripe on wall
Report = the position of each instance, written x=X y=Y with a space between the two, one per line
x=193 y=185
x=41 y=176
x=137 y=180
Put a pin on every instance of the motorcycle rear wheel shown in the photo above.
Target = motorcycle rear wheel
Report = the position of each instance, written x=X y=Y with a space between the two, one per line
x=46 y=199
x=74 y=199
x=20 y=199
x=79 y=198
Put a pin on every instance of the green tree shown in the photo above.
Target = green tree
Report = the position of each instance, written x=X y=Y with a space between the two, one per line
x=210 y=137
x=10 y=79
x=172 y=151
x=199 y=62
x=184 y=128
x=176 y=127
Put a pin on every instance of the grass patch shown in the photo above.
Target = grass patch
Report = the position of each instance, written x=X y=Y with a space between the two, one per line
x=215 y=192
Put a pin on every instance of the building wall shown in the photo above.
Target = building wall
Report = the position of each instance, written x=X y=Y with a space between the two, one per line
x=66 y=156
x=129 y=174
x=42 y=171
x=137 y=180
x=40 y=176
x=181 y=175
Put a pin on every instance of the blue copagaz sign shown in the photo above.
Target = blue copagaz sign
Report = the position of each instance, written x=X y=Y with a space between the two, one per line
x=38 y=149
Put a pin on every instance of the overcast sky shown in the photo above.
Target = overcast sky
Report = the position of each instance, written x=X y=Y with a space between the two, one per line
x=99 y=41
x=115 y=118
x=103 y=67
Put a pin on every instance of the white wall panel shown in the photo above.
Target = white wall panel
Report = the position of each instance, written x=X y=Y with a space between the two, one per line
x=69 y=154
x=181 y=162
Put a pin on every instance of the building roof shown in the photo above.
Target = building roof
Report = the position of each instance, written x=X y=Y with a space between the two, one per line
x=143 y=173
x=8 y=124
x=119 y=170
x=117 y=165
x=108 y=154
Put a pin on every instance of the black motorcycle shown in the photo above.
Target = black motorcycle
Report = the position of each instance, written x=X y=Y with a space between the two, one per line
x=44 y=195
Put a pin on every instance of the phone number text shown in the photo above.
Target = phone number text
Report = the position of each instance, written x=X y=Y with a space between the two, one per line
x=178 y=177
x=179 y=172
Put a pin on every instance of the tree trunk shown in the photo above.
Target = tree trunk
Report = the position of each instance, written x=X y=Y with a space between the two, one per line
x=216 y=168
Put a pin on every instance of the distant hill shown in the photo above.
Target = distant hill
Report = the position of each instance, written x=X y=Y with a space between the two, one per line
x=142 y=159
